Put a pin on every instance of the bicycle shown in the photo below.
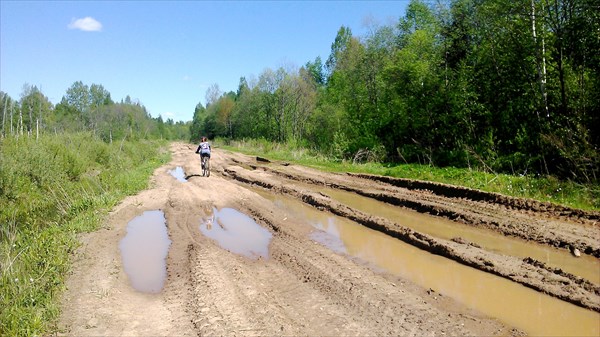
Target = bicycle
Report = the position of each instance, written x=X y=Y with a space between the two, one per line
x=206 y=166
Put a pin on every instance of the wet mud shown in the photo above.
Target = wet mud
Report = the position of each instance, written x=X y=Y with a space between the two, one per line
x=459 y=192
x=584 y=266
x=554 y=282
x=545 y=223
x=487 y=293
x=325 y=265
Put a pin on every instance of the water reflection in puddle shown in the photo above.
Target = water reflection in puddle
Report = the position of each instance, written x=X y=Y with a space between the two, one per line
x=178 y=173
x=516 y=305
x=237 y=233
x=144 y=251
x=585 y=266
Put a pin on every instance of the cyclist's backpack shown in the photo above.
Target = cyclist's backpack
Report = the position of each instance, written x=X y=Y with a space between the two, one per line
x=204 y=148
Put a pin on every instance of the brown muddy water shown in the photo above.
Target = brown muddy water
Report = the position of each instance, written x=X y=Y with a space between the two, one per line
x=178 y=173
x=144 y=251
x=516 y=305
x=237 y=233
x=585 y=266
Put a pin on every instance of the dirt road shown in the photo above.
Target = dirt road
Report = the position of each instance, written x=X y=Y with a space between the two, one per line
x=303 y=287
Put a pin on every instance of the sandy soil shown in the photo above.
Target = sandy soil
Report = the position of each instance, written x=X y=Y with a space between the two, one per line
x=304 y=288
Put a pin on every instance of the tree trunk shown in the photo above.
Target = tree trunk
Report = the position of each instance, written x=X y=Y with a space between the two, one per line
x=561 y=77
x=12 y=110
x=30 y=126
x=559 y=15
x=4 y=115
x=544 y=74
x=40 y=120
x=20 y=121
x=540 y=60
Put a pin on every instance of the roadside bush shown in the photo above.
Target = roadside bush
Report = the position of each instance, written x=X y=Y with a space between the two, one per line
x=477 y=175
x=52 y=188
x=340 y=146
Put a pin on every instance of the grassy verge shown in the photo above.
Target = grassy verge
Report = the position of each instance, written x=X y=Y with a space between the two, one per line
x=542 y=188
x=51 y=190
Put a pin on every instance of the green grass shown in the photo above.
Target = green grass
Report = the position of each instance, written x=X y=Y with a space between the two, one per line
x=51 y=190
x=543 y=188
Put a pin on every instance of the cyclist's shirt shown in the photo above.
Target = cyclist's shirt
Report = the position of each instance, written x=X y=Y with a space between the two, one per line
x=204 y=148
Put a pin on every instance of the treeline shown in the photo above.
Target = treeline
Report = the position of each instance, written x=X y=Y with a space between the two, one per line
x=83 y=108
x=504 y=86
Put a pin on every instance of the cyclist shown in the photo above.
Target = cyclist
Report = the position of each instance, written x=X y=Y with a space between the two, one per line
x=204 y=149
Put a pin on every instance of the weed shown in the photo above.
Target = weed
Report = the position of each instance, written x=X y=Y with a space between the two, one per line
x=50 y=190
x=541 y=188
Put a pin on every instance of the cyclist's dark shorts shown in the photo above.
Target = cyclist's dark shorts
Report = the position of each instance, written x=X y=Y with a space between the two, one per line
x=204 y=155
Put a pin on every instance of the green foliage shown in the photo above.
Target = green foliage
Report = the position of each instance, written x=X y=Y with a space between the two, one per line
x=78 y=96
x=266 y=148
x=486 y=85
x=491 y=86
x=197 y=123
x=498 y=86
x=278 y=107
x=316 y=71
x=51 y=189
x=338 y=46
x=543 y=188
x=84 y=108
x=341 y=146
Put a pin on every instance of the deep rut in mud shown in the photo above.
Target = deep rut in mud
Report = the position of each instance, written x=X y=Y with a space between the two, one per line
x=302 y=287
x=529 y=272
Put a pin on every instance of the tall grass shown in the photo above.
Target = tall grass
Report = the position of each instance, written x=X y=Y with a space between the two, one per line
x=543 y=188
x=51 y=189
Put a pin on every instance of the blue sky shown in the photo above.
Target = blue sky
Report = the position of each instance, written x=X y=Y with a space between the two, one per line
x=167 y=54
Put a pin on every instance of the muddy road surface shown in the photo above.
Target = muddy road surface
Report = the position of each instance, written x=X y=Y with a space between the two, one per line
x=268 y=248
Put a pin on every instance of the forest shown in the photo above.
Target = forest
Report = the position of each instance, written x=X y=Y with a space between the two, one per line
x=83 y=108
x=500 y=86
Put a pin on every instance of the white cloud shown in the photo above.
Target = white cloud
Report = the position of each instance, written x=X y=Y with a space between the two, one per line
x=87 y=24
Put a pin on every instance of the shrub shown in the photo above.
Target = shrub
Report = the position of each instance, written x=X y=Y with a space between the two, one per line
x=50 y=189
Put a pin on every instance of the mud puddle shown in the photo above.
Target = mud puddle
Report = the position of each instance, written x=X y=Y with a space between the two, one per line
x=237 y=233
x=179 y=174
x=144 y=251
x=514 y=304
x=585 y=266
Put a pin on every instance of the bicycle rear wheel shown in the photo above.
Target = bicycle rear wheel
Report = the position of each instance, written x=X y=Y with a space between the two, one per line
x=205 y=168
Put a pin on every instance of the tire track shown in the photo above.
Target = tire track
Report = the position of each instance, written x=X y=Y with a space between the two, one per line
x=561 y=285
